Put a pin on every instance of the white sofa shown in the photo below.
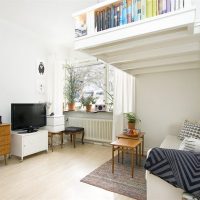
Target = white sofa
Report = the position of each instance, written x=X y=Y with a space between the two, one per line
x=158 y=188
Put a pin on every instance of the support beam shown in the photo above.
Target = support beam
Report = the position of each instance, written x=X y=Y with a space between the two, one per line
x=156 y=53
x=162 y=61
x=186 y=66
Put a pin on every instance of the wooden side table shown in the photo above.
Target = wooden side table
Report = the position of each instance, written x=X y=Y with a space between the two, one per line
x=124 y=144
x=5 y=140
x=51 y=134
x=140 y=136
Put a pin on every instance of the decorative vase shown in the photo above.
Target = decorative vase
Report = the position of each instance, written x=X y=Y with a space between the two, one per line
x=71 y=106
x=88 y=108
x=131 y=125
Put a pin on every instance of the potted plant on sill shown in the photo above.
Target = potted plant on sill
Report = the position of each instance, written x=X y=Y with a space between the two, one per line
x=132 y=119
x=87 y=102
x=72 y=86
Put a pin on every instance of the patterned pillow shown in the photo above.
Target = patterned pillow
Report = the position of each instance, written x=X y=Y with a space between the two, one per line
x=190 y=129
x=190 y=144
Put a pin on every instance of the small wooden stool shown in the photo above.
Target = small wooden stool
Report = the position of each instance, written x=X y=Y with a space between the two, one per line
x=73 y=131
x=51 y=134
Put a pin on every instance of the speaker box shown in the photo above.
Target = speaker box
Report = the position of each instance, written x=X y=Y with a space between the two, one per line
x=100 y=108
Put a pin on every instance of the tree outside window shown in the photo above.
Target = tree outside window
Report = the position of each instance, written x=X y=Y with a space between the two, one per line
x=96 y=80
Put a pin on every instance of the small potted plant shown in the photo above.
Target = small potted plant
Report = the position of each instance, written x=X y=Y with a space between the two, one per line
x=87 y=102
x=132 y=119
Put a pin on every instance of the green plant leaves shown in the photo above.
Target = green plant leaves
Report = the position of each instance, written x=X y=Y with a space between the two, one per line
x=87 y=100
x=131 y=117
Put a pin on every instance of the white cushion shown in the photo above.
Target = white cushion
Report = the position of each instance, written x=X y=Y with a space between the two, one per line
x=171 y=142
x=190 y=144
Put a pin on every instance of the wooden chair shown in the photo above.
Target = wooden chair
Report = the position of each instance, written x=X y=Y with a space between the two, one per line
x=73 y=131
x=51 y=134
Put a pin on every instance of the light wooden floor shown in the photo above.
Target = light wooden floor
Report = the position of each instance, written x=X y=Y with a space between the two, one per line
x=55 y=175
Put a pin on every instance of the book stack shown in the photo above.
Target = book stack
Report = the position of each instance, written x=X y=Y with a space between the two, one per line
x=127 y=11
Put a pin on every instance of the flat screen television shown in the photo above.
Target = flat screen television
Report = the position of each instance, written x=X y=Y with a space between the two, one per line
x=28 y=116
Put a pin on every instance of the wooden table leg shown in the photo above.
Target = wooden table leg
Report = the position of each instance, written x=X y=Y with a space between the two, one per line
x=52 y=142
x=140 y=154
x=143 y=146
x=61 y=138
x=118 y=153
x=122 y=155
x=113 y=159
x=5 y=159
x=71 y=137
x=132 y=162
x=83 y=133
x=136 y=154
x=74 y=139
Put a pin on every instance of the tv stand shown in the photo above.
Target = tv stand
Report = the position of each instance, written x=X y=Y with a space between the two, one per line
x=24 y=144
x=31 y=130
x=27 y=131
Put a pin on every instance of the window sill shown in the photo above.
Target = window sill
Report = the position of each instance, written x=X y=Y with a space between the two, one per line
x=89 y=115
x=83 y=111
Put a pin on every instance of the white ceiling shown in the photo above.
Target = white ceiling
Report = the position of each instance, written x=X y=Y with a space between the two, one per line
x=51 y=20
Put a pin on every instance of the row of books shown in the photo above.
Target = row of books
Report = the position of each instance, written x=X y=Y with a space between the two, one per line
x=127 y=11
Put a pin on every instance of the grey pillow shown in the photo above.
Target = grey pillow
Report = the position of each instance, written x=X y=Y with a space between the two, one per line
x=190 y=129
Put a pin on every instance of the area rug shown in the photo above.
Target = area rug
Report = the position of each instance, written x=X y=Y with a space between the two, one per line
x=120 y=182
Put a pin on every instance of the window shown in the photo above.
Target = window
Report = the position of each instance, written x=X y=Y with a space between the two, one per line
x=96 y=80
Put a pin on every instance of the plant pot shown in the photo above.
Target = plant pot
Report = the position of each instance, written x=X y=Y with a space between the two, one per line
x=71 y=106
x=131 y=125
x=88 y=108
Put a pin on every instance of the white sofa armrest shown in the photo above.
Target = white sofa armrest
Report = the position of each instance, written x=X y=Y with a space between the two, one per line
x=158 y=188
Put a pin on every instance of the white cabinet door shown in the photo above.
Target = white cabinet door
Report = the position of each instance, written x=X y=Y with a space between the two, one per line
x=35 y=142
x=30 y=144
x=42 y=144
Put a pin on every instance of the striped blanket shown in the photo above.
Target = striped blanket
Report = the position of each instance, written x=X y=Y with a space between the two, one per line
x=177 y=167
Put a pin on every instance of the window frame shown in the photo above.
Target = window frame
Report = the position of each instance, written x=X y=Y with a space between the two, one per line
x=105 y=83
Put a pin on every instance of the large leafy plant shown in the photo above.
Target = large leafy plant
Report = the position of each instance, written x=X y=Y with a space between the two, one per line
x=73 y=84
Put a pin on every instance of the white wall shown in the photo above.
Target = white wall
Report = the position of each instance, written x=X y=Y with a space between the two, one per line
x=24 y=27
x=20 y=51
x=50 y=19
x=165 y=100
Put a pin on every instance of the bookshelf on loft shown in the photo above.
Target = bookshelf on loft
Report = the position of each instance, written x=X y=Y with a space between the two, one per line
x=163 y=42
x=114 y=13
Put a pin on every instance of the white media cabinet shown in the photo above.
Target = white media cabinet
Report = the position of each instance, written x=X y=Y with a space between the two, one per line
x=24 y=144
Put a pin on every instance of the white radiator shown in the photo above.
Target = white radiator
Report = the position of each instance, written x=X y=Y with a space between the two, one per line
x=95 y=129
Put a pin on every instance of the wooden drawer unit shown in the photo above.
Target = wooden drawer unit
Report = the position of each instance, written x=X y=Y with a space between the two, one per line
x=5 y=149
x=4 y=129
x=4 y=140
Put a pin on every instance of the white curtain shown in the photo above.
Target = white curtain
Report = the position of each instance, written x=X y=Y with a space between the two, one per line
x=124 y=100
